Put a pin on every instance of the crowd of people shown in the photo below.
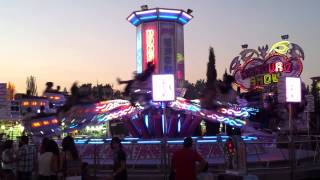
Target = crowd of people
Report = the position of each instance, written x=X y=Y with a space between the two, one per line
x=48 y=162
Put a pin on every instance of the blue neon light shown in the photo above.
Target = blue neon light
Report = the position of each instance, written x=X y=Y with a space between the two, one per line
x=80 y=141
x=146 y=120
x=168 y=17
x=183 y=20
x=73 y=126
x=135 y=22
x=139 y=51
x=175 y=142
x=207 y=141
x=209 y=137
x=162 y=120
x=125 y=142
x=149 y=142
x=158 y=13
x=249 y=138
x=131 y=138
x=95 y=142
x=148 y=17
x=179 y=125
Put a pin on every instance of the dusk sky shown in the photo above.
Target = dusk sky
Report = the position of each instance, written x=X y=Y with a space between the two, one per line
x=90 y=41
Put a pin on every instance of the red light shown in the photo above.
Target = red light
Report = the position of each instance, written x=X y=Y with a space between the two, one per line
x=54 y=121
x=150 y=39
x=230 y=146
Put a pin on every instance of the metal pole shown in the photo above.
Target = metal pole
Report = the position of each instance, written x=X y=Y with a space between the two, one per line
x=308 y=121
x=291 y=143
x=225 y=129
x=164 y=141
x=95 y=161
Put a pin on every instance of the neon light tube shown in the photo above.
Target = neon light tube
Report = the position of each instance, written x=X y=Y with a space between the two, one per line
x=168 y=17
x=182 y=20
x=169 y=11
x=95 y=142
x=209 y=137
x=148 y=17
x=149 y=142
x=179 y=125
x=135 y=22
x=162 y=120
x=175 y=141
x=146 y=12
x=206 y=141
x=146 y=120
x=131 y=138
x=132 y=15
x=187 y=15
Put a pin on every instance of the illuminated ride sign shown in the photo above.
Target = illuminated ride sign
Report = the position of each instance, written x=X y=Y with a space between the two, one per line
x=150 y=42
x=262 y=68
x=163 y=87
x=147 y=37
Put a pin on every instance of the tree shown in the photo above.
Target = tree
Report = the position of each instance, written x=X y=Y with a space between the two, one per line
x=103 y=92
x=191 y=92
x=31 y=86
x=211 y=70
x=200 y=87
x=11 y=91
x=49 y=87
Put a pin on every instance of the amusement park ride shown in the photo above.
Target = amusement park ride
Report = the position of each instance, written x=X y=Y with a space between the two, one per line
x=160 y=43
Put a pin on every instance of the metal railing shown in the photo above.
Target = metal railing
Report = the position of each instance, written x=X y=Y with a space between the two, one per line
x=149 y=154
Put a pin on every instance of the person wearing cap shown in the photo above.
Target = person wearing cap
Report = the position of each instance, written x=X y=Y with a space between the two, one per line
x=184 y=162
x=119 y=160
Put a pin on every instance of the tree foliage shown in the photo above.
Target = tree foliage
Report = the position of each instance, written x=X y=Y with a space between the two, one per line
x=211 y=70
x=11 y=91
x=32 y=86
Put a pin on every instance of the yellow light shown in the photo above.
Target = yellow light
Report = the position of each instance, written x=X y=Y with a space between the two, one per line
x=46 y=123
x=150 y=45
x=25 y=103
x=3 y=127
x=36 y=124
x=281 y=47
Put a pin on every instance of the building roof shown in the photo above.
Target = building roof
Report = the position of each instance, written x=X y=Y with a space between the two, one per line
x=159 y=14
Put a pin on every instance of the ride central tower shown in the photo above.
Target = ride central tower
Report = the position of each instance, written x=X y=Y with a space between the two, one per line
x=160 y=40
